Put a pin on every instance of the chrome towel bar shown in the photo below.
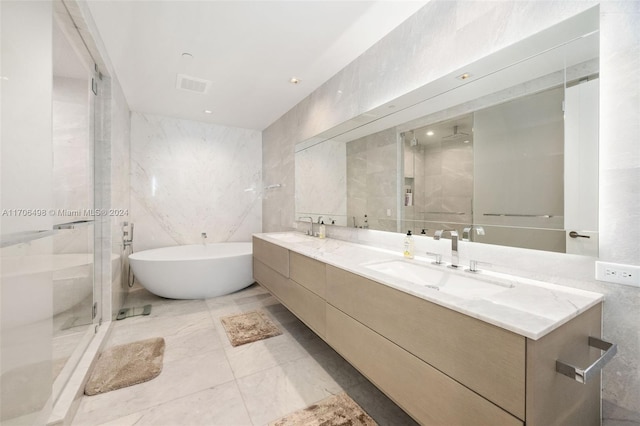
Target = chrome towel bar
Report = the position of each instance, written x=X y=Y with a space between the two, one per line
x=584 y=375
x=456 y=213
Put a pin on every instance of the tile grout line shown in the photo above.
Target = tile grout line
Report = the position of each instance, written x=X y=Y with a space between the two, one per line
x=233 y=373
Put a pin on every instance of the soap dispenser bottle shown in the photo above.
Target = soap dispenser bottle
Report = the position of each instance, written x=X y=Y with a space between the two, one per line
x=322 y=233
x=408 y=245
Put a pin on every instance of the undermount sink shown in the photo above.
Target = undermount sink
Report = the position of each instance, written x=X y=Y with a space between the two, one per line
x=289 y=238
x=445 y=281
x=407 y=271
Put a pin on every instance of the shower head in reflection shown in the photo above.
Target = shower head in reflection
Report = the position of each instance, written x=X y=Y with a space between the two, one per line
x=414 y=141
x=456 y=134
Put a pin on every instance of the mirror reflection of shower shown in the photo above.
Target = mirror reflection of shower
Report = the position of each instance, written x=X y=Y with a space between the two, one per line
x=127 y=249
x=438 y=176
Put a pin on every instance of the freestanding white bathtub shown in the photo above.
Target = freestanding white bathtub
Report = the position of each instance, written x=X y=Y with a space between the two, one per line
x=194 y=271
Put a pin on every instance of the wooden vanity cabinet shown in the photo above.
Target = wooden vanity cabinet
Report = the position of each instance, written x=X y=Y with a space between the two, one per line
x=304 y=303
x=485 y=358
x=442 y=367
x=276 y=257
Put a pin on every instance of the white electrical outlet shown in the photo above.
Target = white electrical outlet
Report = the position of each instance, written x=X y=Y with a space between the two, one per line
x=618 y=273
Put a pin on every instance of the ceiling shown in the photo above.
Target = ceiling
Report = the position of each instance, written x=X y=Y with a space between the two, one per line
x=249 y=50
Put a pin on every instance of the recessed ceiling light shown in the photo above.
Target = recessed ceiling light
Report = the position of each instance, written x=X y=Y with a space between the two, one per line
x=208 y=111
x=294 y=80
x=466 y=141
x=430 y=133
x=464 y=76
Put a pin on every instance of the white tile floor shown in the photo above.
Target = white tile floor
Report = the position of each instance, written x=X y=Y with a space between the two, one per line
x=206 y=381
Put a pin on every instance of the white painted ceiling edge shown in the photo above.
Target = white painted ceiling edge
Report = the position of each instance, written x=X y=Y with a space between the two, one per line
x=247 y=49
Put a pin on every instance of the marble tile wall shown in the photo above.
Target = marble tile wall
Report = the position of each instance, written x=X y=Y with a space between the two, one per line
x=445 y=35
x=189 y=177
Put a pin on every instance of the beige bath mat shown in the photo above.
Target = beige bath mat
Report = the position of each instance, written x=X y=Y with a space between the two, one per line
x=249 y=327
x=337 y=410
x=126 y=365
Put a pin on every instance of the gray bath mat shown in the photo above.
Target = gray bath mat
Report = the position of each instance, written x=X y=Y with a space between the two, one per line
x=126 y=365
x=337 y=410
x=249 y=327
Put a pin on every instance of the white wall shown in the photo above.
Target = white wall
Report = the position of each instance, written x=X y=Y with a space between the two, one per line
x=189 y=177
x=446 y=35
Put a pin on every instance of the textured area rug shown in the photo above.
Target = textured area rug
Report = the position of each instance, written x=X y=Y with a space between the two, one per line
x=249 y=327
x=126 y=365
x=337 y=410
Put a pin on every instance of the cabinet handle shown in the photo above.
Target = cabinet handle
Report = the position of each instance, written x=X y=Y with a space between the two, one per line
x=583 y=375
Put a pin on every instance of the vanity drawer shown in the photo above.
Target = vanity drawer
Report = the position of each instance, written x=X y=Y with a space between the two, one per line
x=303 y=303
x=270 y=254
x=267 y=277
x=487 y=359
x=430 y=396
x=308 y=272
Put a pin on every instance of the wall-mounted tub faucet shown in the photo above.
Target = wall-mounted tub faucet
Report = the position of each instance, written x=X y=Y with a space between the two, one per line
x=127 y=241
x=454 y=245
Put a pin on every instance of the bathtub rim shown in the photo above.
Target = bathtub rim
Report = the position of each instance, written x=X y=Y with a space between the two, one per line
x=137 y=256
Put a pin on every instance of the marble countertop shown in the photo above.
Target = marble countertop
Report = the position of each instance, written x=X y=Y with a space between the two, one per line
x=527 y=307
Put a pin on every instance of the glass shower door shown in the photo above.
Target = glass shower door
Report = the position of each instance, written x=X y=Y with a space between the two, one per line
x=74 y=246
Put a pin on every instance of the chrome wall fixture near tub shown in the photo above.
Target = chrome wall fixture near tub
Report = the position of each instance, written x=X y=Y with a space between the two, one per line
x=194 y=271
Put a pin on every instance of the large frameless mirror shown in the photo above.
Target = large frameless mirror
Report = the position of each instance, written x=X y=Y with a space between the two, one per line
x=505 y=149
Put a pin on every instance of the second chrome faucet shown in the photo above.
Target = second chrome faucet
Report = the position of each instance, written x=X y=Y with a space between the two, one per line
x=454 y=245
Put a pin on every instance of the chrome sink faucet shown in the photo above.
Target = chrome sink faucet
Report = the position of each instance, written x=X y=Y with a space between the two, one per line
x=454 y=245
x=466 y=232
x=310 y=231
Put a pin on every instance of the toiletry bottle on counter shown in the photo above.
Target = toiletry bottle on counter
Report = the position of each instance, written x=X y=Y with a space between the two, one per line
x=408 y=245
x=323 y=232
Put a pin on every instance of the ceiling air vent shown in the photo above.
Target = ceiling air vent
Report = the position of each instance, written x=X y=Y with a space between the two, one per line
x=192 y=84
